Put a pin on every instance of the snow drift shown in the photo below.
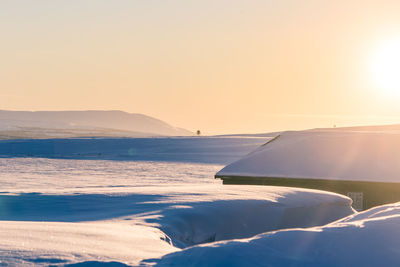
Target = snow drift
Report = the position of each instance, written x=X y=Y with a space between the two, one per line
x=129 y=224
x=244 y=211
x=369 y=238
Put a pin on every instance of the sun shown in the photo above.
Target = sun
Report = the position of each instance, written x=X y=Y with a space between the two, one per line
x=385 y=66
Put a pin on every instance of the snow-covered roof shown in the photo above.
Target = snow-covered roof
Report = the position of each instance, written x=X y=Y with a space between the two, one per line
x=324 y=154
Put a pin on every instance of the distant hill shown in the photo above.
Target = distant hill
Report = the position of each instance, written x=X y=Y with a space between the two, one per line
x=50 y=124
x=366 y=128
x=395 y=128
x=261 y=135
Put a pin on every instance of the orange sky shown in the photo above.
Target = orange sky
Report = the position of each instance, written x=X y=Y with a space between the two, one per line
x=219 y=66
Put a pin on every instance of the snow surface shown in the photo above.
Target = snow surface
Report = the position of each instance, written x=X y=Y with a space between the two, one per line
x=369 y=238
x=214 y=150
x=322 y=154
x=64 y=208
x=66 y=211
x=133 y=224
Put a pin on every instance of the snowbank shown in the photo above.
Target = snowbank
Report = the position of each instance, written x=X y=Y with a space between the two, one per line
x=336 y=155
x=44 y=243
x=244 y=211
x=369 y=238
x=134 y=223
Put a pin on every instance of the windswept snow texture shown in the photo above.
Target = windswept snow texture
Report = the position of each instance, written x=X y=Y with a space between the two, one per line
x=321 y=154
x=213 y=150
x=132 y=224
x=370 y=238
x=30 y=175
x=244 y=211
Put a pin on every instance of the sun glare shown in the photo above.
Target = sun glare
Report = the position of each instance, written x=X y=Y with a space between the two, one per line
x=385 y=67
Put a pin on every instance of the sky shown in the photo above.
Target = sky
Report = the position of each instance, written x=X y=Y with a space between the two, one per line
x=221 y=66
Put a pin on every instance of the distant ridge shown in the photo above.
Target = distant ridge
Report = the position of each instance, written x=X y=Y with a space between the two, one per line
x=366 y=128
x=49 y=124
x=363 y=128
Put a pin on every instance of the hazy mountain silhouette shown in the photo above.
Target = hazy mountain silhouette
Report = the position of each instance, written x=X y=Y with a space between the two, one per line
x=83 y=123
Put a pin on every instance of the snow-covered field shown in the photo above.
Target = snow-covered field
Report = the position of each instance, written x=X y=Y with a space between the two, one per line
x=59 y=210
x=212 y=150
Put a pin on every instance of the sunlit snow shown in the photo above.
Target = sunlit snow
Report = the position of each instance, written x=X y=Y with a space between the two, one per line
x=58 y=211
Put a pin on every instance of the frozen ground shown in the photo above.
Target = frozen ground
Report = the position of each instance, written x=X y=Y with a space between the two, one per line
x=57 y=211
